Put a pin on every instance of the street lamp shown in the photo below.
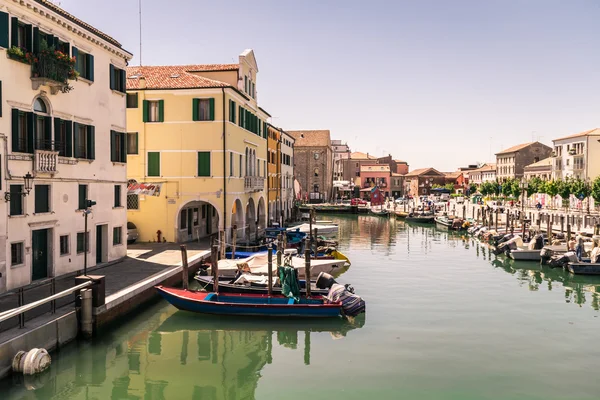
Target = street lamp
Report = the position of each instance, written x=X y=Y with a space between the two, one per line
x=28 y=178
x=523 y=185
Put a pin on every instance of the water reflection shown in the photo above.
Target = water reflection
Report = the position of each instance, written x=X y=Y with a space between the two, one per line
x=175 y=355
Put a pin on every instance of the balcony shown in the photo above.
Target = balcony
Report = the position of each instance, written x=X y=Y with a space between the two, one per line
x=51 y=71
x=46 y=157
x=254 y=183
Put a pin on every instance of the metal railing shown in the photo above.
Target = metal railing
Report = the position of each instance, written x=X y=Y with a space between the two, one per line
x=20 y=311
x=49 y=67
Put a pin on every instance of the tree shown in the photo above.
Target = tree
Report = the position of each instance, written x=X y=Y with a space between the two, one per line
x=516 y=189
x=564 y=190
x=472 y=188
x=507 y=187
x=486 y=188
x=449 y=186
x=581 y=189
x=595 y=190
x=436 y=186
x=550 y=188
x=534 y=186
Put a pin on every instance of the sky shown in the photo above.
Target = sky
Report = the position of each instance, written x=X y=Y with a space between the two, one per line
x=439 y=84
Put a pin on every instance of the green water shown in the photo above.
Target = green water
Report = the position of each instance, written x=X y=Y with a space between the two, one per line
x=445 y=320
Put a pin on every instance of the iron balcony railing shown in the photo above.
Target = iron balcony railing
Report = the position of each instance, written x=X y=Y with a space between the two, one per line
x=22 y=145
x=49 y=67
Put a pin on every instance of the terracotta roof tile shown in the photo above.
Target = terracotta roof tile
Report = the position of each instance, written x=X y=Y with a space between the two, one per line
x=546 y=162
x=485 y=168
x=357 y=155
x=311 y=138
x=595 y=131
x=423 y=171
x=171 y=77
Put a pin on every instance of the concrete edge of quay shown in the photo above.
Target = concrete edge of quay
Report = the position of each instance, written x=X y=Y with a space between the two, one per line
x=51 y=331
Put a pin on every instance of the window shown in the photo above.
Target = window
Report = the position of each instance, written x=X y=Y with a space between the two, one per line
x=230 y=164
x=16 y=200
x=246 y=83
x=64 y=245
x=204 y=163
x=42 y=198
x=196 y=221
x=153 y=163
x=84 y=64
x=203 y=211
x=83 y=242
x=84 y=141
x=83 y=195
x=316 y=171
x=16 y=253
x=63 y=132
x=133 y=202
x=567 y=162
x=118 y=151
x=117 y=237
x=232 y=106
x=132 y=143
x=203 y=109
x=22 y=36
x=183 y=219
x=22 y=131
x=240 y=174
x=132 y=100
x=117 y=79
x=154 y=110
x=117 y=196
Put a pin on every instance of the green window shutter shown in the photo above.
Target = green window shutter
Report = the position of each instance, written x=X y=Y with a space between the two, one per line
x=31 y=136
x=28 y=38
x=195 y=105
x=161 y=111
x=211 y=109
x=69 y=141
x=75 y=52
x=145 y=110
x=82 y=197
x=111 y=74
x=57 y=143
x=240 y=115
x=90 y=67
x=36 y=40
x=233 y=108
x=91 y=142
x=259 y=125
x=16 y=201
x=113 y=148
x=48 y=126
x=14 y=32
x=123 y=78
x=15 y=130
x=246 y=84
x=76 y=144
x=203 y=163
x=153 y=163
x=123 y=147
x=4 y=30
x=41 y=198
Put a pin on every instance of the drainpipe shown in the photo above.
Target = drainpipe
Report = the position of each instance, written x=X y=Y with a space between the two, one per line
x=224 y=170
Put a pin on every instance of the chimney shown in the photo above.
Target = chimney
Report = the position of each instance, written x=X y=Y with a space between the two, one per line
x=142 y=84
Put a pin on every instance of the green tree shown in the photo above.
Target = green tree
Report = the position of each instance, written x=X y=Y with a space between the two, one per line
x=486 y=188
x=582 y=190
x=449 y=186
x=507 y=187
x=436 y=186
x=472 y=188
x=534 y=186
x=550 y=188
x=595 y=192
x=564 y=191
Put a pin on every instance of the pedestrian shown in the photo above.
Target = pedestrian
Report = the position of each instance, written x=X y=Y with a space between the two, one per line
x=538 y=206
x=579 y=246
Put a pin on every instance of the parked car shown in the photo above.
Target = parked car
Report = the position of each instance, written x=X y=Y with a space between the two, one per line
x=460 y=200
x=132 y=233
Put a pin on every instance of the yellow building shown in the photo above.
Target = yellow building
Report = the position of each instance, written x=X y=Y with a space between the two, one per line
x=274 y=171
x=196 y=151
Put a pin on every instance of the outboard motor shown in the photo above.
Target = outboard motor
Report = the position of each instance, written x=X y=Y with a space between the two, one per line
x=352 y=304
x=545 y=255
x=539 y=242
x=562 y=260
x=325 y=281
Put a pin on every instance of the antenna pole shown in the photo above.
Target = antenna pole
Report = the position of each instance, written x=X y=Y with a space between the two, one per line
x=140 y=9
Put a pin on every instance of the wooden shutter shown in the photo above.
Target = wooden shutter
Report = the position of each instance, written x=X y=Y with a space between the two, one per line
x=117 y=196
x=48 y=128
x=69 y=139
x=14 y=32
x=123 y=78
x=36 y=40
x=90 y=67
x=15 y=130
x=145 y=111
x=28 y=38
x=4 y=30
x=203 y=163
x=123 y=145
x=240 y=115
x=31 y=136
x=41 y=198
x=57 y=144
x=111 y=74
x=76 y=144
x=161 y=111
x=153 y=164
x=16 y=201
x=211 y=109
x=82 y=197
x=75 y=52
x=91 y=142
x=113 y=147
x=195 y=105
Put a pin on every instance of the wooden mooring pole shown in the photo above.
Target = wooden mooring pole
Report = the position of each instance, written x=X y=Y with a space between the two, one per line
x=184 y=267
x=270 y=271
x=307 y=270
x=214 y=253
x=233 y=241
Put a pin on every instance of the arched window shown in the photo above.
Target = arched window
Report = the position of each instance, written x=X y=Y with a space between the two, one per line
x=40 y=106
x=247 y=159
x=43 y=125
x=316 y=171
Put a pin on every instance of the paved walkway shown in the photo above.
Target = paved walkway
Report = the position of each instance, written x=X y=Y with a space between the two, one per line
x=143 y=261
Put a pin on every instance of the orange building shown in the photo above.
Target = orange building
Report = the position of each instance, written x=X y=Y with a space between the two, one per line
x=274 y=174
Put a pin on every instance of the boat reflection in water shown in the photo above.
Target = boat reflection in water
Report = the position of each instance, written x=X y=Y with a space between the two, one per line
x=175 y=355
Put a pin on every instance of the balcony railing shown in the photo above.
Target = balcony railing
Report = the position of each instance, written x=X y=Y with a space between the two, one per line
x=46 y=161
x=254 y=183
x=51 y=72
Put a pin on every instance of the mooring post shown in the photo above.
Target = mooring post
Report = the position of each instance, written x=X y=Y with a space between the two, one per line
x=307 y=271
x=279 y=253
x=214 y=264
x=549 y=229
x=184 y=267
x=316 y=241
x=568 y=234
x=497 y=212
x=270 y=270
x=233 y=241
x=86 y=313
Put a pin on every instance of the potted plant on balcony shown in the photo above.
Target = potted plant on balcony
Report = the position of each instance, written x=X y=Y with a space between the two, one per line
x=54 y=65
x=572 y=152
x=20 y=54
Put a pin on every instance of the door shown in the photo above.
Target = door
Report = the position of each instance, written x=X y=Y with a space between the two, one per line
x=190 y=216
x=99 y=244
x=39 y=252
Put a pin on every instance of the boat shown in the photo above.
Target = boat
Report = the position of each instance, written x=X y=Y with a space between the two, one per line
x=401 y=214
x=380 y=212
x=251 y=285
x=420 y=218
x=321 y=229
x=522 y=253
x=583 y=268
x=257 y=265
x=250 y=304
x=443 y=220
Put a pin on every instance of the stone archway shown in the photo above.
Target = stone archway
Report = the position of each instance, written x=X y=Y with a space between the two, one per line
x=261 y=217
x=250 y=221
x=237 y=218
x=196 y=220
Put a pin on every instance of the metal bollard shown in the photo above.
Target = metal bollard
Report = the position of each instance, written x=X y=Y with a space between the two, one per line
x=86 y=313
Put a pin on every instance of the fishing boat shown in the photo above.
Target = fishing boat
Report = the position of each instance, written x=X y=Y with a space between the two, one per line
x=381 y=212
x=401 y=214
x=321 y=229
x=250 y=304
x=249 y=284
x=443 y=220
x=583 y=268
x=420 y=218
x=523 y=253
x=257 y=265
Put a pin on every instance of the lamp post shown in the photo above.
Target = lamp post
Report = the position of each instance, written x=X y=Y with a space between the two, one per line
x=523 y=185
x=28 y=184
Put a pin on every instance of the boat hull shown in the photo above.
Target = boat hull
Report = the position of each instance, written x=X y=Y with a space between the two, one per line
x=248 y=305
x=525 y=255
x=584 y=268
x=421 y=220
x=226 y=287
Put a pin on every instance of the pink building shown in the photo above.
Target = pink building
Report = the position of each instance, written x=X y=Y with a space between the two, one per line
x=372 y=175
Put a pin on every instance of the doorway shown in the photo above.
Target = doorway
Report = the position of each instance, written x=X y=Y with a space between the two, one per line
x=39 y=254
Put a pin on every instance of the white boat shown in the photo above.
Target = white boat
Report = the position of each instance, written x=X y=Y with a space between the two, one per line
x=524 y=254
x=257 y=265
x=321 y=229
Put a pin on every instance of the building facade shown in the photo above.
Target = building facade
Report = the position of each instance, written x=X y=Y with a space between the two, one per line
x=485 y=173
x=57 y=148
x=510 y=163
x=577 y=156
x=197 y=136
x=287 y=175
x=274 y=174
x=541 y=169
x=341 y=152
x=397 y=185
x=352 y=164
x=419 y=182
x=313 y=164
x=376 y=175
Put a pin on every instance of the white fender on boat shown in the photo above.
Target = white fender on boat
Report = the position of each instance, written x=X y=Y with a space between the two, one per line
x=32 y=362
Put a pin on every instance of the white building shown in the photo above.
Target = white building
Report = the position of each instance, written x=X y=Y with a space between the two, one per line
x=341 y=151
x=287 y=174
x=485 y=173
x=577 y=156
x=68 y=135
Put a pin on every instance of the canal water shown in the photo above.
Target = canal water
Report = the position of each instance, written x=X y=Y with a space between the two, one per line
x=445 y=320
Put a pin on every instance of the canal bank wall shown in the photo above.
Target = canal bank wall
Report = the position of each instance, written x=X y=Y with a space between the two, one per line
x=51 y=331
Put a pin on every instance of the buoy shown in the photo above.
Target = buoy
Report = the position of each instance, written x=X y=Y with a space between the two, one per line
x=32 y=362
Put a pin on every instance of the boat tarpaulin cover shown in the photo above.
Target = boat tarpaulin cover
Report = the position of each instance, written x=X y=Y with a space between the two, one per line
x=290 y=287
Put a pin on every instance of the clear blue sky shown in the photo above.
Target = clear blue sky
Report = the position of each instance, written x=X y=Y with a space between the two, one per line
x=436 y=83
